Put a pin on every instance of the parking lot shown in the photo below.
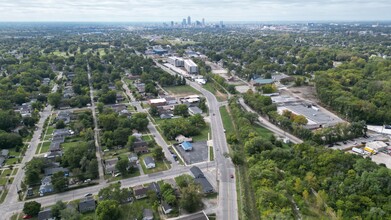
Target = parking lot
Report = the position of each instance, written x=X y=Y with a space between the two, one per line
x=197 y=155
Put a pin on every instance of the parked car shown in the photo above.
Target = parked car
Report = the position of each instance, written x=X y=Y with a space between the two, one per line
x=27 y=216
x=88 y=194
x=232 y=176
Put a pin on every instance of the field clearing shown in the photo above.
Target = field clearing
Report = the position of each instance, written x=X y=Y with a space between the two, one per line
x=184 y=90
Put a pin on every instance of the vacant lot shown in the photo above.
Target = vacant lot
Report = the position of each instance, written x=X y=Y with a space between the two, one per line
x=181 y=90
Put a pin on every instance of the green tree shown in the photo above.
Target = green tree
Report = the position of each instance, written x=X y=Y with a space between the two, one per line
x=60 y=124
x=122 y=166
x=70 y=214
x=54 y=99
x=181 y=110
x=158 y=154
x=32 y=208
x=191 y=199
x=108 y=210
x=153 y=110
x=59 y=181
x=57 y=208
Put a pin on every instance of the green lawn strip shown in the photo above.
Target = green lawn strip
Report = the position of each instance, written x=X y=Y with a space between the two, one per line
x=263 y=132
x=3 y=181
x=212 y=157
x=11 y=161
x=48 y=137
x=147 y=137
x=111 y=178
x=14 y=171
x=227 y=121
x=6 y=172
x=70 y=144
x=181 y=90
x=45 y=147
x=203 y=136
x=3 y=195
x=50 y=130
x=211 y=88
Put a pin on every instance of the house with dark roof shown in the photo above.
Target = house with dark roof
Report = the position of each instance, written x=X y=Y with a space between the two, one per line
x=156 y=188
x=140 y=192
x=53 y=170
x=141 y=150
x=3 y=156
x=46 y=215
x=147 y=214
x=62 y=132
x=54 y=146
x=65 y=116
x=205 y=185
x=149 y=162
x=87 y=205
x=197 y=172
x=166 y=208
x=140 y=143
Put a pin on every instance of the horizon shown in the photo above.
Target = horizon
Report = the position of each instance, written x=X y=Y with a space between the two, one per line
x=211 y=10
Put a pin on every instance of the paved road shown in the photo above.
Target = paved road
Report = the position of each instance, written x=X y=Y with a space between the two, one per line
x=12 y=196
x=227 y=204
x=7 y=210
x=268 y=125
x=152 y=128
x=96 y=129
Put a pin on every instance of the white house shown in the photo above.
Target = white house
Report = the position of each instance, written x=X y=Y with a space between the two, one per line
x=149 y=162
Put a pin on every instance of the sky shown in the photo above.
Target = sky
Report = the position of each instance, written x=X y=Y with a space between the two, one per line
x=211 y=10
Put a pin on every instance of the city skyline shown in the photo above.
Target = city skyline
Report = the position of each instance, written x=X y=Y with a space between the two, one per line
x=212 y=10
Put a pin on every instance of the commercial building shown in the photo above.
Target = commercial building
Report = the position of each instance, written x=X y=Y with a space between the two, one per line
x=191 y=67
x=176 y=61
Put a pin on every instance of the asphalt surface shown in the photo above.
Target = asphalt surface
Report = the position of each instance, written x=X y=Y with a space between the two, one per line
x=227 y=198
x=96 y=129
x=273 y=128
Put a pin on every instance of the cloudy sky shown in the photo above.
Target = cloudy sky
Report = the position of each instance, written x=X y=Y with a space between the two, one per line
x=211 y=10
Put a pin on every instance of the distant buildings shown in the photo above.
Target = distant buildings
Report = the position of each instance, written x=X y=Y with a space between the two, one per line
x=176 y=61
x=189 y=20
x=191 y=67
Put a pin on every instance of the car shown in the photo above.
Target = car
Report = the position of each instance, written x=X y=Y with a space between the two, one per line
x=232 y=176
x=338 y=144
x=27 y=216
x=330 y=145
x=344 y=142
x=88 y=194
x=213 y=114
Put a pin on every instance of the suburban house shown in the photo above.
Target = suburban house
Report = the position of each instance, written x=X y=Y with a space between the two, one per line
x=181 y=138
x=166 y=116
x=194 y=110
x=55 y=146
x=120 y=97
x=65 y=116
x=166 y=208
x=200 y=179
x=110 y=165
x=46 y=215
x=141 y=150
x=46 y=186
x=140 y=192
x=132 y=157
x=140 y=87
x=87 y=205
x=3 y=156
x=187 y=146
x=140 y=143
x=171 y=100
x=62 y=132
x=156 y=188
x=149 y=162
x=197 y=172
x=157 y=102
x=147 y=214
x=205 y=185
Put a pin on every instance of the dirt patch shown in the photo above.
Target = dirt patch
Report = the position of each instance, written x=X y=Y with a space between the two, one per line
x=305 y=92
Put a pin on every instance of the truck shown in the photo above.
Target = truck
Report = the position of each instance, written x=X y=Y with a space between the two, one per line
x=358 y=150
x=370 y=150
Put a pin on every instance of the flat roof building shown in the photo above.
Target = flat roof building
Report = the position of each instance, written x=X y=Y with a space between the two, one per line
x=191 y=67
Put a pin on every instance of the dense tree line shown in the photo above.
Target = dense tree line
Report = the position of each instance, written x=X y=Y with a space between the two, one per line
x=189 y=126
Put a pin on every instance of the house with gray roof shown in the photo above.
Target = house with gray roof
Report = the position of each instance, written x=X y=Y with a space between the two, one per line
x=194 y=110
x=46 y=215
x=87 y=205
x=147 y=214
x=149 y=162
x=51 y=171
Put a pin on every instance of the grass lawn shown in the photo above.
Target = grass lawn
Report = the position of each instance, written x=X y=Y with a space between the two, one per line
x=45 y=147
x=160 y=165
x=70 y=144
x=212 y=156
x=221 y=97
x=6 y=172
x=181 y=90
x=11 y=161
x=263 y=132
x=14 y=171
x=227 y=120
x=3 y=181
x=50 y=130
x=147 y=137
x=13 y=152
x=3 y=195
x=203 y=136
x=60 y=53
x=111 y=178
x=123 y=153
x=48 y=137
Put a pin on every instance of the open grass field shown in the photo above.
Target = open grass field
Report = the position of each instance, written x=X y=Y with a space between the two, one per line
x=221 y=97
x=227 y=121
x=203 y=136
x=181 y=90
x=45 y=147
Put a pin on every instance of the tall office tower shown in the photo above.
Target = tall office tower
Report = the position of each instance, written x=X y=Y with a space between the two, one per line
x=203 y=21
x=188 y=20
x=221 y=24
x=172 y=23
x=184 y=22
